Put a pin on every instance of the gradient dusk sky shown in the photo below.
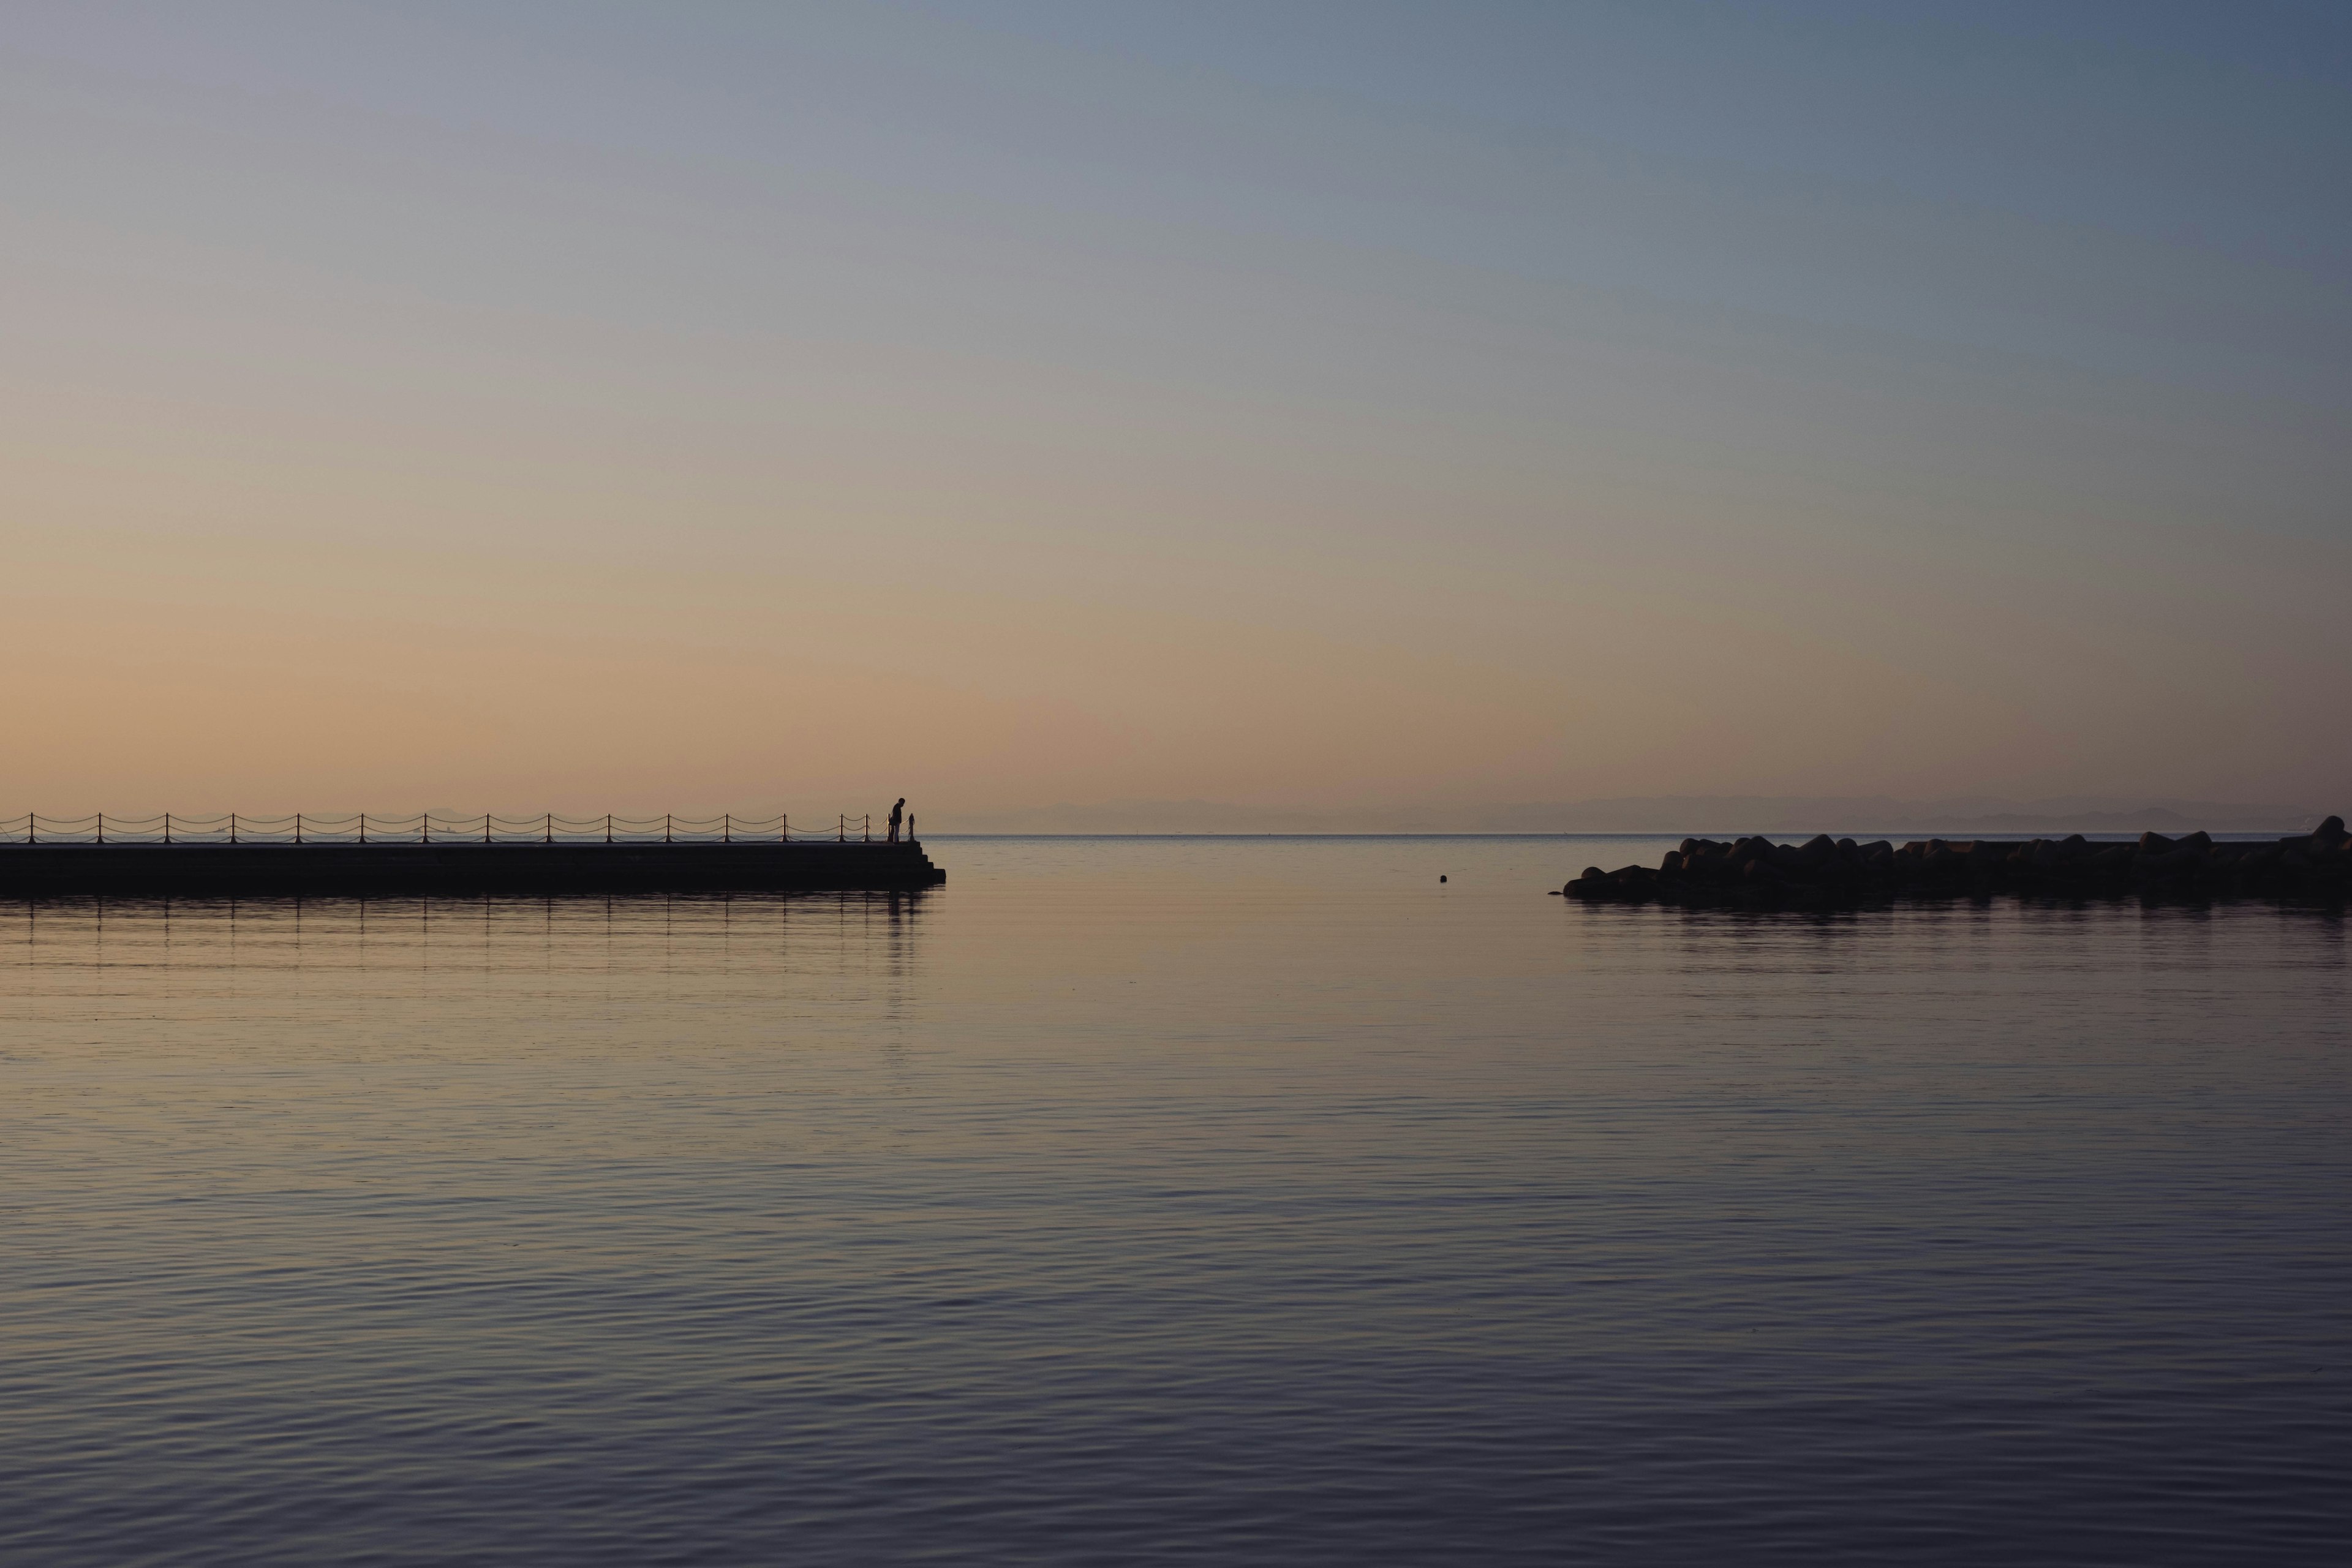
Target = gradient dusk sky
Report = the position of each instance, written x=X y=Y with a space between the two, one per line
x=594 y=407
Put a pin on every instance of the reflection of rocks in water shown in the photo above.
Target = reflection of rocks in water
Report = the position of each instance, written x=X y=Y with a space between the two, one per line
x=1823 y=871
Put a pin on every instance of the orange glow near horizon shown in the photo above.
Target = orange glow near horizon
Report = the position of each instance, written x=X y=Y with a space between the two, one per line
x=936 y=417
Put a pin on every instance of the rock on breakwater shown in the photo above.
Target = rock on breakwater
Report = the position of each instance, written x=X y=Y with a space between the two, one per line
x=1756 y=873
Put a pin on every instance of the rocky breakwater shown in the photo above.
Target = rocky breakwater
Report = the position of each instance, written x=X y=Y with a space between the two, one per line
x=1825 y=872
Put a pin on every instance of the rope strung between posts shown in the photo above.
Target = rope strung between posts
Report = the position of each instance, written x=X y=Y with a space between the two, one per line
x=311 y=829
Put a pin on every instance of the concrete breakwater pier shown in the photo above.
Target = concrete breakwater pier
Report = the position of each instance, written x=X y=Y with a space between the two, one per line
x=1824 y=872
x=324 y=857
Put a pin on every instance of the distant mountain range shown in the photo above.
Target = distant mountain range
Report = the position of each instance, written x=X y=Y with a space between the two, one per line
x=1690 y=814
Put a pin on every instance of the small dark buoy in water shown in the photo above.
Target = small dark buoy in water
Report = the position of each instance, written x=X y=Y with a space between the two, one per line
x=1441 y=877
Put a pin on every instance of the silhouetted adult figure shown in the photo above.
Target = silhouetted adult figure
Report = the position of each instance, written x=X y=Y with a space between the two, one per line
x=895 y=813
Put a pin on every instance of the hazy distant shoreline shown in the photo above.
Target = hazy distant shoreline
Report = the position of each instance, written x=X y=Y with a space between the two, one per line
x=1701 y=815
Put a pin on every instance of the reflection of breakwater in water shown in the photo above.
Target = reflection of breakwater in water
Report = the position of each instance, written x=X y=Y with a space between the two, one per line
x=1757 y=872
x=382 y=950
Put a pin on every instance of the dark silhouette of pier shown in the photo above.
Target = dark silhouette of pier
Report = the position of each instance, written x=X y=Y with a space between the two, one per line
x=235 y=856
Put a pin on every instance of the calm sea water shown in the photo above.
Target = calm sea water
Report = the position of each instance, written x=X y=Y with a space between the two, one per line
x=1175 y=1201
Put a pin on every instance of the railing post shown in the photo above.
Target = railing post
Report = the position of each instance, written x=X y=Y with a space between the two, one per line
x=784 y=829
x=865 y=828
x=425 y=828
x=486 y=827
x=363 y=826
x=608 y=827
x=726 y=828
x=101 y=827
x=551 y=828
x=167 y=827
x=32 y=820
x=297 y=828
x=232 y=828
x=841 y=827
x=665 y=827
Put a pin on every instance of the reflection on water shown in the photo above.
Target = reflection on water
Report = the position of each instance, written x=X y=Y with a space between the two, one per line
x=1262 y=1201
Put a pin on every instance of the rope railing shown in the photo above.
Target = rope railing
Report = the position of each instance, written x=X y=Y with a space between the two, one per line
x=432 y=827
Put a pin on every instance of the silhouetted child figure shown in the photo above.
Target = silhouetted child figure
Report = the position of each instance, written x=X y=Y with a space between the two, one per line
x=896 y=812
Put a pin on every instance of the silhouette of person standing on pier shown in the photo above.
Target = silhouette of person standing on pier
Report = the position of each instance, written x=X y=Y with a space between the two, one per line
x=896 y=812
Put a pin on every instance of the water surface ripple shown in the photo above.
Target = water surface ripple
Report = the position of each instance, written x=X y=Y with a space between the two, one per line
x=1131 y=1202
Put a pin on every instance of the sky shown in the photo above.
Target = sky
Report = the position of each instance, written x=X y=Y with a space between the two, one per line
x=598 y=406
